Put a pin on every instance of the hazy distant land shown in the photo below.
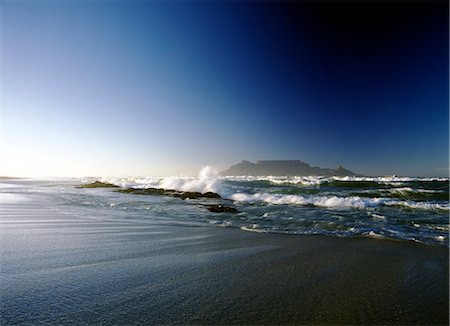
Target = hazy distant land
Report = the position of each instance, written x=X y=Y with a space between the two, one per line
x=283 y=168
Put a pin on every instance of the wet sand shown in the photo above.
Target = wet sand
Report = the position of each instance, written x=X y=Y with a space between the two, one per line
x=58 y=268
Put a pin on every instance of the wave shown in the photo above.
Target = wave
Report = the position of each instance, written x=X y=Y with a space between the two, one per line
x=409 y=189
x=332 y=201
x=417 y=194
x=320 y=201
x=322 y=179
x=391 y=207
x=391 y=179
x=279 y=180
x=250 y=189
x=344 y=182
x=207 y=180
x=419 y=205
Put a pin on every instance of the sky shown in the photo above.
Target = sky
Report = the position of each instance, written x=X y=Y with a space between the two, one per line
x=118 y=88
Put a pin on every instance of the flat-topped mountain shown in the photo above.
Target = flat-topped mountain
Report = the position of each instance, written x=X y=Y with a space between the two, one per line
x=283 y=167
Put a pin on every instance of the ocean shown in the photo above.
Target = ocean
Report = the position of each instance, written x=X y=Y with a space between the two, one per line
x=374 y=251
x=397 y=208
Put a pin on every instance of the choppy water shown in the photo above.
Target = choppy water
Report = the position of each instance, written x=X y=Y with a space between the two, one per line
x=400 y=208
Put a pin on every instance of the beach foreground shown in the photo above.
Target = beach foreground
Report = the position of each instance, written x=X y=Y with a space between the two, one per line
x=57 y=267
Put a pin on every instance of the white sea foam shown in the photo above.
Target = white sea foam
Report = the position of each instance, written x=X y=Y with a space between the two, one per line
x=419 y=205
x=409 y=189
x=252 y=228
x=208 y=175
x=332 y=201
x=373 y=234
x=277 y=179
x=207 y=180
x=377 y=216
x=389 y=179
x=401 y=190
x=320 y=201
x=317 y=180
x=429 y=191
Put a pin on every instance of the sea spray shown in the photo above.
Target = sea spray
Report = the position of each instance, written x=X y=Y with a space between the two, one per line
x=207 y=181
x=408 y=208
x=332 y=201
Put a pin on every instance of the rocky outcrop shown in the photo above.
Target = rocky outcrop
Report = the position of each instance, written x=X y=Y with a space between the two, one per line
x=98 y=184
x=283 y=168
x=168 y=192
x=196 y=195
x=222 y=209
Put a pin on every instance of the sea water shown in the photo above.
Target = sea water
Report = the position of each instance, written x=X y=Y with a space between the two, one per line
x=399 y=208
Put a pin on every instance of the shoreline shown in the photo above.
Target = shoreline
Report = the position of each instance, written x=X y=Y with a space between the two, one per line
x=60 y=268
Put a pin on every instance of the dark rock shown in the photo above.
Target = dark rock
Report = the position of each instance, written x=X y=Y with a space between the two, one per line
x=197 y=195
x=222 y=209
x=210 y=194
x=138 y=191
x=189 y=194
x=98 y=184
x=173 y=193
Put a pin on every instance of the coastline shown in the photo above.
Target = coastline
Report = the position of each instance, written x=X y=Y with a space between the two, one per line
x=59 y=268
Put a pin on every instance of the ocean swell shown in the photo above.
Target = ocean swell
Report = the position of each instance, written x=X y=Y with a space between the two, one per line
x=332 y=201
x=393 y=207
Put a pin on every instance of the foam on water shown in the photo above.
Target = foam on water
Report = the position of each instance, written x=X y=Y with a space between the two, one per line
x=207 y=180
x=320 y=201
x=317 y=180
x=279 y=180
x=419 y=205
x=407 y=208
x=377 y=216
x=409 y=189
x=332 y=201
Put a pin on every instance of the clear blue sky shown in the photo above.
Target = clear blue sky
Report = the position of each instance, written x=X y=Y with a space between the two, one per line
x=159 y=88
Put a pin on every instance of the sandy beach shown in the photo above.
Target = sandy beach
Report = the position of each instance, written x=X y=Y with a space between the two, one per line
x=58 y=268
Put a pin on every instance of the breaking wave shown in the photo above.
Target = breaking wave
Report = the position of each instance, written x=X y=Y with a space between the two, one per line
x=319 y=180
x=406 y=208
x=332 y=201
x=207 y=180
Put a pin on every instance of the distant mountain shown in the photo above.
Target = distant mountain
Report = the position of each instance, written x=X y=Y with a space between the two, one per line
x=278 y=168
